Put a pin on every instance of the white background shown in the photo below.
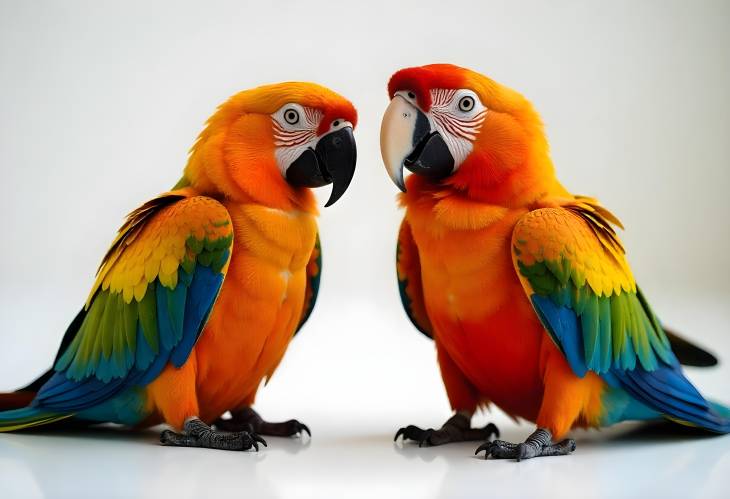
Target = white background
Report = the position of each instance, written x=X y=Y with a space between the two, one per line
x=100 y=101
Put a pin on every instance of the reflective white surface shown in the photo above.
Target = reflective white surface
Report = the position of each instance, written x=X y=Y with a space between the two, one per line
x=354 y=382
x=361 y=461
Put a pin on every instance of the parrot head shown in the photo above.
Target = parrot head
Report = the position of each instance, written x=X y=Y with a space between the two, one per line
x=453 y=126
x=273 y=142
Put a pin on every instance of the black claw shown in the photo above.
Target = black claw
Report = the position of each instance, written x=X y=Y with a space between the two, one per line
x=249 y=420
x=456 y=429
x=536 y=445
x=521 y=452
x=411 y=432
x=257 y=438
x=166 y=437
x=486 y=446
x=198 y=434
x=398 y=433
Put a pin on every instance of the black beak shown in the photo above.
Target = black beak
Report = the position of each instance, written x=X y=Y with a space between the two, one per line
x=332 y=161
x=431 y=158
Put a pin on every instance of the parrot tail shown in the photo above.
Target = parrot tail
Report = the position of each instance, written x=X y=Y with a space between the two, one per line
x=17 y=411
x=27 y=417
x=23 y=397
x=723 y=411
x=16 y=400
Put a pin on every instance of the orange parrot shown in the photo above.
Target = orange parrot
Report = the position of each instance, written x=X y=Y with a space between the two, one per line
x=205 y=285
x=523 y=286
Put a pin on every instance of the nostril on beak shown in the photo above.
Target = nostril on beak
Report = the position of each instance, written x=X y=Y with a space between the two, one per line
x=337 y=142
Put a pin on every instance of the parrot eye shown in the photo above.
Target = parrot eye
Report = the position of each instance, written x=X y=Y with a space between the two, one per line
x=291 y=116
x=466 y=103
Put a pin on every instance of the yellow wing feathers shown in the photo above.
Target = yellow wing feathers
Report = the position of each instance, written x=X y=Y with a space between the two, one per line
x=575 y=239
x=155 y=246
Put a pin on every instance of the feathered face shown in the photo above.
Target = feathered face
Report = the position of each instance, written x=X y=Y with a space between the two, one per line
x=312 y=151
x=273 y=138
x=443 y=119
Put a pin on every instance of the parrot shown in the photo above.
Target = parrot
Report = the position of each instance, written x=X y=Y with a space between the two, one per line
x=203 y=288
x=524 y=287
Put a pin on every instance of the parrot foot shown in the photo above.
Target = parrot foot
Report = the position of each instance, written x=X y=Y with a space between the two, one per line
x=536 y=445
x=248 y=419
x=456 y=429
x=198 y=434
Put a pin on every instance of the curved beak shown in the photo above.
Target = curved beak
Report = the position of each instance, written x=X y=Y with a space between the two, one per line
x=406 y=139
x=332 y=161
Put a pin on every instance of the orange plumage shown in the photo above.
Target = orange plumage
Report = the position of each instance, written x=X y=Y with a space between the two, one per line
x=229 y=258
x=524 y=287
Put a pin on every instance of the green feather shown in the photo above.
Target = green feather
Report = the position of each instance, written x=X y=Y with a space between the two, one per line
x=195 y=245
x=188 y=265
x=209 y=244
x=90 y=330
x=617 y=326
x=129 y=318
x=604 y=304
x=224 y=242
x=589 y=324
x=120 y=351
x=205 y=258
x=107 y=324
x=220 y=260
x=69 y=354
x=147 y=309
x=558 y=270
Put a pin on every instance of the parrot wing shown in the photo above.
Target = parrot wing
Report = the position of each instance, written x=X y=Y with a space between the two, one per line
x=314 y=273
x=153 y=294
x=573 y=269
x=408 y=269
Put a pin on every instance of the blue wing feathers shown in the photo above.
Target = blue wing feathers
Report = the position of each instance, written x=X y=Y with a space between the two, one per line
x=202 y=293
x=181 y=313
x=144 y=354
x=682 y=404
x=657 y=381
x=562 y=324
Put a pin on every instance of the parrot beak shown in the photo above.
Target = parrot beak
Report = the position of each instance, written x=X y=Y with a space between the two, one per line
x=332 y=161
x=406 y=140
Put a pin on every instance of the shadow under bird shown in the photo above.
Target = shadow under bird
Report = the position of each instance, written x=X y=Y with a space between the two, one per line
x=524 y=287
x=204 y=286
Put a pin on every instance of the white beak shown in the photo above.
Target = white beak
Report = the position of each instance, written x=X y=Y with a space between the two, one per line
x=396 y=137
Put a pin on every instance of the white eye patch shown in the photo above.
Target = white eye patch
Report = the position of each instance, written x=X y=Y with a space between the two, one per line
x=295 y=130
x=457 y=115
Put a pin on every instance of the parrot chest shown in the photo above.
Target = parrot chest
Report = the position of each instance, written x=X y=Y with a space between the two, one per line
x=259 y=305
x=479 y=311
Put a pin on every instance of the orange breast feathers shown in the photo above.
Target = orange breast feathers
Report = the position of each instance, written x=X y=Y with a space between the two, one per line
x=259 y=307
x=481 y=318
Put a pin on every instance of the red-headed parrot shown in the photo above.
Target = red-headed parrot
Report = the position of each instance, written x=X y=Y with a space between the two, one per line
x=524 y=287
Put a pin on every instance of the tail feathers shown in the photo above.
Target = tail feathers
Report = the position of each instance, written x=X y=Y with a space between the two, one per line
x=716 y=419
x=27 y=417
x=688 y=353
x=669 y=392
x=16 y=400
x=721 y=410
